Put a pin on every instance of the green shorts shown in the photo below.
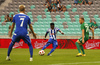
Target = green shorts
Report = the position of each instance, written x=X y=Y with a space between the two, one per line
x=85 y=39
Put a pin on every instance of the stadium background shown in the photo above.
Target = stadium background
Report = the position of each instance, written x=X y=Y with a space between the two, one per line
x=68 y=21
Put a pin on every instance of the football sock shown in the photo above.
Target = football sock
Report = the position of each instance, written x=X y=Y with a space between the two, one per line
x=46 y=46
x=52 y=49
x=10 y=48
x=82 y=49
x=78 y=47
x=31 y=50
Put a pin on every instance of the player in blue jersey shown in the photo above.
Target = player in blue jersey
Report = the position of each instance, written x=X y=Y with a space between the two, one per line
x=52 y=40
x=22 y=21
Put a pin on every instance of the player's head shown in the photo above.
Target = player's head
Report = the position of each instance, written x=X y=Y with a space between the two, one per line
x=22 y=8
x=52 y=25
x=49 y=4
x=94 y=22
x=8 y=15
x=90 y=20
x=59 y=2
x=81 y=20
x=12 y=15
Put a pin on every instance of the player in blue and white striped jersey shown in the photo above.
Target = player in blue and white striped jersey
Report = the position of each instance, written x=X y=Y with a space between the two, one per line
x=52 y=37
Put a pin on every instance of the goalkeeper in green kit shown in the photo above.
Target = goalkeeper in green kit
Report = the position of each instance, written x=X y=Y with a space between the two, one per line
x=85 y=36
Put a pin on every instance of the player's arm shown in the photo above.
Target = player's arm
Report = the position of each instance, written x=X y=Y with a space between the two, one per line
x=92 y=26
x=82 y=35
x=95 y=27
x=12 y=28
x=5 y=19
x=92 y=32
x=61 y=32
x=31 y=28
x=46 y=35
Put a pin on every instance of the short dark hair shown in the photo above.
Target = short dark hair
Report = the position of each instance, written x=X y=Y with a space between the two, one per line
x=7 y=14
x=52 y=24
x=82 y=18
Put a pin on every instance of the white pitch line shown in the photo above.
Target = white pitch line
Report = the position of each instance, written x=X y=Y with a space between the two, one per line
x=75 y=63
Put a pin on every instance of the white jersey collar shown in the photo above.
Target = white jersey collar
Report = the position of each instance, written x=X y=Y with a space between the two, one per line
x=21 y=13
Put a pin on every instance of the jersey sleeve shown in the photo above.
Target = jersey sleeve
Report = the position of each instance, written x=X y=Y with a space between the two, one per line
x=57 y=29
x=97 y=25
x=13 y=19
x=90 y=27
x=82 y=26
x=29 y=21
x=92 y=24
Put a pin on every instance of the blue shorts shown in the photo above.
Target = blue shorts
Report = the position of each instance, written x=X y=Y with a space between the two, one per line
x=17 y=37
x=52 y=41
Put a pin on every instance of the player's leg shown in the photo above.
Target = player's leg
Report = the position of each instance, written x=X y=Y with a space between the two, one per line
x=28 y=41
x=48 y=43
x=15 y=38
x=9 y=50
x=81 y=47
x=31 y=51
x=82 y=50
x=78 y=43
x=85 y=39
x=55 y=44
x=78 y=46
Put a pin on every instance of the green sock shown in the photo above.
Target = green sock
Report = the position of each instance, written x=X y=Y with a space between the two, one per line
x=78 y=47
x=82 y=49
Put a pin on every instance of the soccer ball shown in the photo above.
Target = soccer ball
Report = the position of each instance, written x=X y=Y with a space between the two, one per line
x=41 y=52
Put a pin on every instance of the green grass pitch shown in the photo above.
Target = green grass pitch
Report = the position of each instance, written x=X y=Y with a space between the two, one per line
x=59 y=57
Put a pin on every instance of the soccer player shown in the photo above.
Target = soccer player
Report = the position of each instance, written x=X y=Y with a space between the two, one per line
x=52 y=40
x=91 y=23
x=95 y=25
x=22 y=21
x=85 y=36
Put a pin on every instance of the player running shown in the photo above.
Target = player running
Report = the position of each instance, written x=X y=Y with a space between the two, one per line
x=22 y=21
x=52 y=34
x=85 y=36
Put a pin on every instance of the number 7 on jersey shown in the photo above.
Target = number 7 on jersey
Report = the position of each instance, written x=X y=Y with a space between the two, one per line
x=21 y=25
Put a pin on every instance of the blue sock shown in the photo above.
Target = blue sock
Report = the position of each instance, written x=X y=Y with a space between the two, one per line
x=10 y=48
x=31 y=50
x=46 y=46
x=52 y=50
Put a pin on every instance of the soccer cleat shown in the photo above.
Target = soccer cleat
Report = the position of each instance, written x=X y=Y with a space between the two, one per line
x=31 y=59
x=8 y=58
x=79 y=54
x=49 y=54
x=84 y=55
